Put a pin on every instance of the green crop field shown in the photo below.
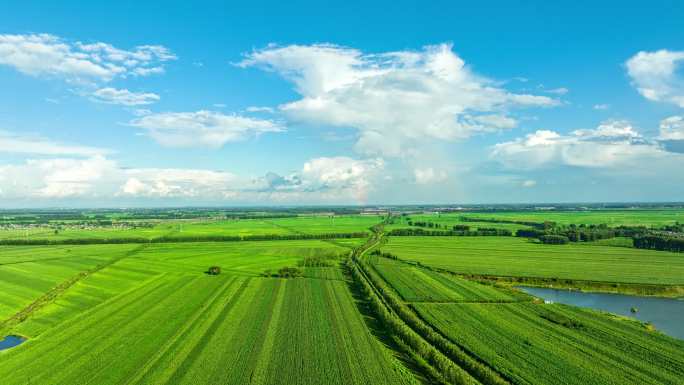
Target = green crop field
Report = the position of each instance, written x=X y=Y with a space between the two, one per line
x=200 y=227
x=328 y=224
x=28 y=272
x=246 y=258
x=335 y=310
x=420 y=285
x=312 y=322
x=269 y=330
x=510 y=256
x=448 y=220
x=635 y=217
x=552 y=344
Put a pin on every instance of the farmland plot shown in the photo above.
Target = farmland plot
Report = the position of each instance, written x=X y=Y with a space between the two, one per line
x=611 y=217
x=244 y=258
x=555 y=344
x=510 y=256
x=328 y=224
x=225 y=329
x=28 y=272
x=416 y=284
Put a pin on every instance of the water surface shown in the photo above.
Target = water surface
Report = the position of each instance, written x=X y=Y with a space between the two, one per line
x=10 y=342
x=666 y=314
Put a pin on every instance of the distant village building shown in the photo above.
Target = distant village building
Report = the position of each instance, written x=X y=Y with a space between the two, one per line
x=374 y=212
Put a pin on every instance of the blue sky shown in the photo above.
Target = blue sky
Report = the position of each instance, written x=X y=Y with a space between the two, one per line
x=208 y=103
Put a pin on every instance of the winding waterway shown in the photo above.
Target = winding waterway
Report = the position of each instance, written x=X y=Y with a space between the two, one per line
x=666 y=314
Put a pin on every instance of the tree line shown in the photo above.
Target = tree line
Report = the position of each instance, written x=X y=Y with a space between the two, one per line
x=538 y=225
x=659 y=242
x=454 y=233
x=445 y=360
x=179 y=239
x=642 y=237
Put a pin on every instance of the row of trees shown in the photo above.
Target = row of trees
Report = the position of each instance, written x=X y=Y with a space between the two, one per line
x=657 y=242
x=318 y=261
x=582 y=233
x=432 y=225
x=176 y=239
x=675 y=228
x=538 y=225
x=452 y=364
x=456 y=233
x=284 y=272
x=552 y=239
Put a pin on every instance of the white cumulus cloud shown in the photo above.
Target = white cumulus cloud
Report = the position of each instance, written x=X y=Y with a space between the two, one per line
x=202 y=128
x=654 y=74
x=611 y=144
x=672 y=128
x=56 y=178
x=341 y=174
x=171 y=183
x=393 y=99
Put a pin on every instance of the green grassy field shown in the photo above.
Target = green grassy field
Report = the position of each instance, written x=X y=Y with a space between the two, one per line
x=553 y=344
x=148 y=313
x=510 y=256
x=526 y=341
x=273 y=330
x=635 y=217
x=448 y=220
x=325 y=224
x=27 y=280
x=270 y=330
x=206 y=227
x=421 y=285
x=28 y=272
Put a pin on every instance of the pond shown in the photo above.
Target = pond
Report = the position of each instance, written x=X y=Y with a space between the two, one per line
x=666 y=314
x=11 y=341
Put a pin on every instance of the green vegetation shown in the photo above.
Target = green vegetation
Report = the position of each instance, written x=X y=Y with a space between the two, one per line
x=26 y=273
x=509 y=256
x=303 y=296
x=416 y=284
x=271 y=331
x=544 y=344
x=446 y=221
x=611 y=217
x=190 y=230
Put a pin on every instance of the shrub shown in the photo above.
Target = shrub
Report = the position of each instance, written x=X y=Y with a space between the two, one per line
x=214 y=270
x=289 y=272
x=554 y=239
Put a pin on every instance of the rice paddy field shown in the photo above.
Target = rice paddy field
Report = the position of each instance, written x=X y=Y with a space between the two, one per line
x=518 y=257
